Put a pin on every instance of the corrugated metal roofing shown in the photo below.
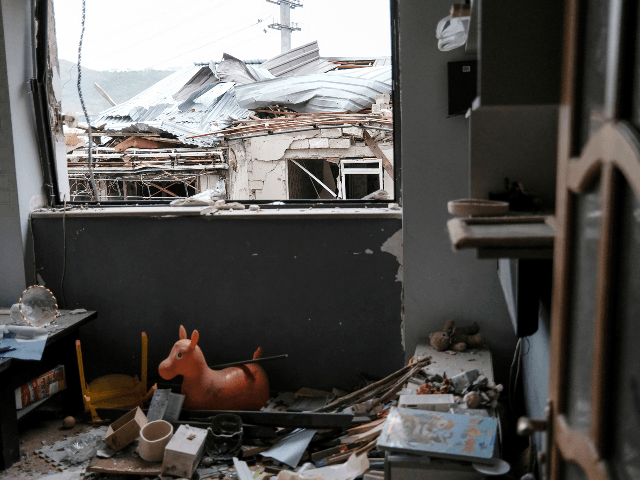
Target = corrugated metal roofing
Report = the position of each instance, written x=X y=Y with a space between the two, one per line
x=186 y=103
x=380 y=74
x=303 y=60
x=230 y=69
x=193 y=100
x=383 y=61
x=313 y=93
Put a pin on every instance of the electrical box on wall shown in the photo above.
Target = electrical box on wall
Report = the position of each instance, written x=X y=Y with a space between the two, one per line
x=463 y=85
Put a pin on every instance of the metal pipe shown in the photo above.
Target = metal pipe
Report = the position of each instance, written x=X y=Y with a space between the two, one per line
x=274 y=132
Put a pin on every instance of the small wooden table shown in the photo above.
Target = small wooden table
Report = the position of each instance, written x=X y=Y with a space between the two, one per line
x=60 y=350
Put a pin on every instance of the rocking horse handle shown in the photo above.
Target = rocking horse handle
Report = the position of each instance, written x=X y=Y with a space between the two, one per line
x=254 y=360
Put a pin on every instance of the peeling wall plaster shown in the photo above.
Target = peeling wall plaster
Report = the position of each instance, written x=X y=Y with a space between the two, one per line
x=238 y=187
x=273 y=176
x=272 y=147
x=393 y=245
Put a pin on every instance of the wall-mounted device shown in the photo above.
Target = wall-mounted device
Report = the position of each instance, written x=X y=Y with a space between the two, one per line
x=463 y=85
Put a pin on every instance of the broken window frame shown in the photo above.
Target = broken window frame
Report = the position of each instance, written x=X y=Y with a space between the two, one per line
x=49 y=118
x=359 y=171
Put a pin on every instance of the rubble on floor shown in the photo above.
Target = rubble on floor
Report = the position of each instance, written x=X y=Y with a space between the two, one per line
x=308 y=434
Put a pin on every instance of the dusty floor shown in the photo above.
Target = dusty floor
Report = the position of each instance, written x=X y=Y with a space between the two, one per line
x=41 y=427
x=44 y=427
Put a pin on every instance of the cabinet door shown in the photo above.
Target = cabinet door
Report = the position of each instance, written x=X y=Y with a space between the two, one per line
x=595 y=372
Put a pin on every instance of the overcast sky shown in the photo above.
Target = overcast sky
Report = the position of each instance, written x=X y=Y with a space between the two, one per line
x=160 y=34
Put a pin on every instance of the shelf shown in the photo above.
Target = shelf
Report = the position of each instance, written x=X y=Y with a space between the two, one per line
x=522 y=236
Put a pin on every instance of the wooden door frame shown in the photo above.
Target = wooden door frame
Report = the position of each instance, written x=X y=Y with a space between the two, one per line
x=614 y=148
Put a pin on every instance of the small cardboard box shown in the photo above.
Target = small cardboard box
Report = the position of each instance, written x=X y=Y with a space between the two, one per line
x=183 y=452
x=126 y=429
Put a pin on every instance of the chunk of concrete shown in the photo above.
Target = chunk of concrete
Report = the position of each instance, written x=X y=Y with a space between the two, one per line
x=383 y=98
x=319 y=142
x=354 y=132
x=339 y=142
x=256 y=184
x=331 y=132
x=302 y=144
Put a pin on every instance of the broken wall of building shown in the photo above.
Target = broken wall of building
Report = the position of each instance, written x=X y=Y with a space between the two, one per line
x=259 y=165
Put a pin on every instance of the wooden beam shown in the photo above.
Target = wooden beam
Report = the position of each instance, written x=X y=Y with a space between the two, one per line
x=163 y=189
x=104 y=94
x=373 y=145
x=314 y=177
x=138 y=142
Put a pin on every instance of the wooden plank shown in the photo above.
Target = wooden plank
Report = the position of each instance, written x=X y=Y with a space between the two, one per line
x=533 y=231
x=363 y=437
x=373 y=145
x=366 y=427
x=127 y=464
x=104 y=94
x=163 y=189
x=141 y=142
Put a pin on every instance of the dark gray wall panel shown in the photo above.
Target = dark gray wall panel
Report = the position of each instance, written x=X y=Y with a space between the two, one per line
x=303 y=287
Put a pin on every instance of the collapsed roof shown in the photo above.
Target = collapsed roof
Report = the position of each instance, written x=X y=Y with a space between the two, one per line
x=209 y=98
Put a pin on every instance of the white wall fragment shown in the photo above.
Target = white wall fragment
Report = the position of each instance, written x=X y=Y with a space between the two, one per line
x=331 y=132
x=319 y=142
x=339 y=143
x=300 y=144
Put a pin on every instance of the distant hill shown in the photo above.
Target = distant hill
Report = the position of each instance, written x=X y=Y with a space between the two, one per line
x=121 y=86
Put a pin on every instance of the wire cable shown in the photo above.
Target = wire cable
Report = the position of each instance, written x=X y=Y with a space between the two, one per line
x=206 y=44
x=124 y=76
x=513 y=385
x=162 y=32
x=84 y=108
x=64 y=250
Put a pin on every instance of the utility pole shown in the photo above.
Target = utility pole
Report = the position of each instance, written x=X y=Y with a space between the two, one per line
x=285 y=26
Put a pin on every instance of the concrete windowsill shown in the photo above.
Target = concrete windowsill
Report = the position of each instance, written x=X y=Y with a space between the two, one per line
x=202 y=211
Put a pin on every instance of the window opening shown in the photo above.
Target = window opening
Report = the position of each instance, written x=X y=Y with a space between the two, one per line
x=360 y=178
x=298 y=123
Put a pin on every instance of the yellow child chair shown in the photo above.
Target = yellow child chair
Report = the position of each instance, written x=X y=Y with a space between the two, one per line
x=115 y=391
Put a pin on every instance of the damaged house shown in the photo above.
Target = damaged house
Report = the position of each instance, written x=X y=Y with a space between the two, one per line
x=297 y=126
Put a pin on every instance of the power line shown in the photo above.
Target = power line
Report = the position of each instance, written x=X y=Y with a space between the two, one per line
x=114 y=32
x=162 y=32
x=120 y=79
x=124 y=76
x=205 y=45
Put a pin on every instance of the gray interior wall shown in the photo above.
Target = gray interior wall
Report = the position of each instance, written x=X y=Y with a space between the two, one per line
x=439 y=284
x=323 y=291
x=20 y=175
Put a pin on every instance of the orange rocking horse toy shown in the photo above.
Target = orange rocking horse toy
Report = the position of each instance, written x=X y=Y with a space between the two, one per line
x=245 y=387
